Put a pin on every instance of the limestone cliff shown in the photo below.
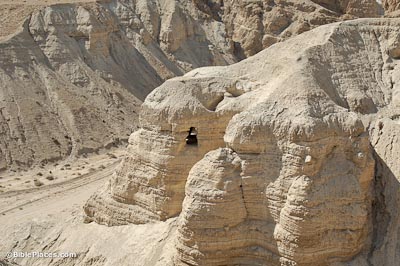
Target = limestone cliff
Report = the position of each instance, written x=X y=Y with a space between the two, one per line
x=296 y=161
x=73 y=76
x=255 y=25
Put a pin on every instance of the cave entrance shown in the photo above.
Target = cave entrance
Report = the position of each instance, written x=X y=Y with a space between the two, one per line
x=191 y=139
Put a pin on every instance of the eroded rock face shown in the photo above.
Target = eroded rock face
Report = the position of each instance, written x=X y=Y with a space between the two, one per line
x=390 y=5
x=384 y=138
x=73 y=77
x=139 y=181
x=255 y=25
x=51 y=110
x=359 y=8
x=293 y=165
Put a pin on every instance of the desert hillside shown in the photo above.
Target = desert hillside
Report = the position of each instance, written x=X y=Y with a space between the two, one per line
x=72 y=75
x=296 y=161
x=259 y=132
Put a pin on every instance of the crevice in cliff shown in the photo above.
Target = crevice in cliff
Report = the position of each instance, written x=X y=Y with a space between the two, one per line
x=243 y=198
x=27 y=28
x=380 y=215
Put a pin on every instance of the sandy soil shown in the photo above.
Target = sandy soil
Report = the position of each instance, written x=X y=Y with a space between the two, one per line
x=18 y=189
x=15 y=200
x=58 y=172
x=50 y=218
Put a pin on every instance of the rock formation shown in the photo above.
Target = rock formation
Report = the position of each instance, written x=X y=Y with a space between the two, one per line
x=255 y=25
x=73 y=76
x=390 y=5
x=296 y=161
x=384 y=134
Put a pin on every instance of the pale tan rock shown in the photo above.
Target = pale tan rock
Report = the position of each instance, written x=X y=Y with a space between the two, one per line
x=160 y=144
x=91 y=64
x=358 y=8
x=284 y=170
x=251 y=23
x=283 y=173
x=74 y=76
x=390 y=5
x=53 y=117
x=384 y=134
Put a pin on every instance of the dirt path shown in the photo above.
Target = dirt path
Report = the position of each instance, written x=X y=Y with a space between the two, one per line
x=52 y=199
x=50 y=219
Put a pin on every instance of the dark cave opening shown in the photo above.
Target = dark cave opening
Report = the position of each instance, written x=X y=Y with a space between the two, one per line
x=191 y=138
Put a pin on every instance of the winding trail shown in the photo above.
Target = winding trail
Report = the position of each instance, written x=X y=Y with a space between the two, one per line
x=49 y=219
x=53 y=198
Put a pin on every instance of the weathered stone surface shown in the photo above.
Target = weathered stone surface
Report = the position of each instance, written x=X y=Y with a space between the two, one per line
x=359 y=8
x=385 y=139
x=255 y=25
x=390 y=5
x=73 y=77
x=52 y=104
x=292 y=164
x=85 y=67
x=153 y=176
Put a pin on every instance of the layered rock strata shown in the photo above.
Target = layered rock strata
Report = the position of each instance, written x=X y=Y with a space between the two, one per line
x=255 y=25
x=296 y=162
x=73 y=76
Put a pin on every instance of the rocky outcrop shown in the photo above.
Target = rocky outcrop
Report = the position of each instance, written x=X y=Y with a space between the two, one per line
x=255 y=25
x=296 y=156
x=384 y=134
x=390 y=5
x=50 y=110
x=139 y=181
x=359 y=8
x=73 y=76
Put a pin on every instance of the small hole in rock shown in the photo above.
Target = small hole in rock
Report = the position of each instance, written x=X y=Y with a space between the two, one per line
x=191 y=139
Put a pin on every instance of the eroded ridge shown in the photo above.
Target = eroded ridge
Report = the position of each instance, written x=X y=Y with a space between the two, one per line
x=284 y=172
